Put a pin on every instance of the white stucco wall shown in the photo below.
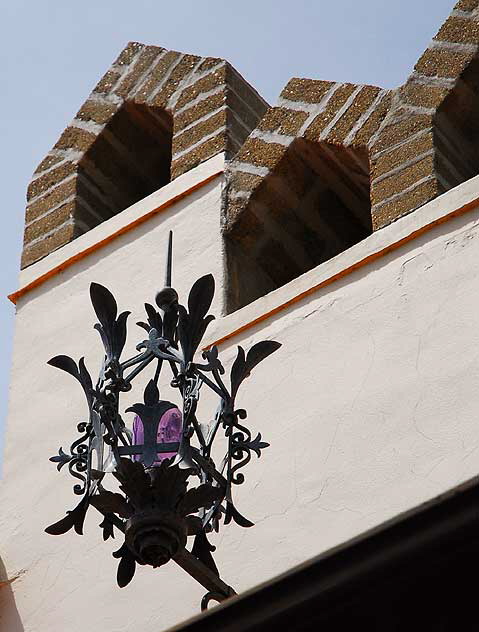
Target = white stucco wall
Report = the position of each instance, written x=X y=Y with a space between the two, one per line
x=370 y=407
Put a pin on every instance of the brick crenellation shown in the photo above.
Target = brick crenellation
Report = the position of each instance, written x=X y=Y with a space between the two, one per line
x=305 y=179
x=427 y=143
x=378 y=155
x=154 y=115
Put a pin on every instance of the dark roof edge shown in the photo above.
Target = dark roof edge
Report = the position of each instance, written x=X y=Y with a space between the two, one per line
x=333 y=576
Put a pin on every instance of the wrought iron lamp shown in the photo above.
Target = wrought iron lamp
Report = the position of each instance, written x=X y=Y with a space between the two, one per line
x=171 y=487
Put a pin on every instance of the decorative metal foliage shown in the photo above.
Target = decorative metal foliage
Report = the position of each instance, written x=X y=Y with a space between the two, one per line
x=161 y=504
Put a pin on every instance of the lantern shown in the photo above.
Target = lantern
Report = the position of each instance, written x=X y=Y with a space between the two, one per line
x=171 y=492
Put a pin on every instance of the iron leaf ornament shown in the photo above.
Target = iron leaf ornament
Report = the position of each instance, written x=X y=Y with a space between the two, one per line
x=169 y=487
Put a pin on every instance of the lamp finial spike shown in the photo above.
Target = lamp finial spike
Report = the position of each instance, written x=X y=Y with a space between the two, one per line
x=169 y=258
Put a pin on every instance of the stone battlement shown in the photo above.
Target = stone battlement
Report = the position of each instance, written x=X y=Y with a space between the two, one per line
x=306 y=179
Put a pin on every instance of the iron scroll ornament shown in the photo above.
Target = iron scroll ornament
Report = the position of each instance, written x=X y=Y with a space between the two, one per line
x=157 y=509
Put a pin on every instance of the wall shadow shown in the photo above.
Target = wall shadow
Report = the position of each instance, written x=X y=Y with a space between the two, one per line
x=9 y=617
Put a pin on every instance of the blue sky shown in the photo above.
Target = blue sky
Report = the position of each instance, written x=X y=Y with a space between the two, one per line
x=54 y=52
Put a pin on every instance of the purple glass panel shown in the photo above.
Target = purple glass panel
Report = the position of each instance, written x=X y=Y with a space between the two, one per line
x=169 y=431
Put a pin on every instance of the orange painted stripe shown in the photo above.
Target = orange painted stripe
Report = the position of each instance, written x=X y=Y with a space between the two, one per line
x=103 y=242
x=265 y=316
x=346 y=271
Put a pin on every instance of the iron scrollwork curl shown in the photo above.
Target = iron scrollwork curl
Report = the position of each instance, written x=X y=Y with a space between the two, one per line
x=241 y=447
x=77 y=459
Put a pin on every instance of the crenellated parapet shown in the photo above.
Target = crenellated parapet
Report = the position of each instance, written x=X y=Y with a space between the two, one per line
x=154 y=115
x=304 y=180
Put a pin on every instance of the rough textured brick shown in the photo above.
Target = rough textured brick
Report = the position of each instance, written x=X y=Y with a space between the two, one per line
x=442 y=63
x=278 y=204
x=107 y=82
x=128 y=54
x=201 y=153
x=393 y=135
x=56 y=195
x=141 y=65
x=398 y=156
x=238 y=85
x=199 y=110
x=388 y=212
x=331 y=155
x=306 y=90
x=49 y=244
x=49 y=222
x=443 y=169
x=373 y=122
x=323 y=119
x=294 y=173
x=135 y=123
x=241 y=181
x=208 y=63
x=249 y=229
x=147 y=76
x=211 y=81
x=282 y=121
x=459 y=30
x=291 y=168
x=422 y=95
x=277 y=263
x=249 y=117
x=104 y=206
x=405 y=178
x=260 y=153
x=83 y=214
x=178 y=74
x=50 y=179
x=157 y=74
x=235 y=209
x=114 y=171
x=196 y=133
x=75 y=138
x=236 y=131
x=128 y=131
x=97 y=111
x=361 y=103
x=48 y=162
x=396 y=132
x=467 y=5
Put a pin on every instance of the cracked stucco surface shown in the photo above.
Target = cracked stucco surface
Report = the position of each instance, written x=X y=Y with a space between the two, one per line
x=370 y=408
